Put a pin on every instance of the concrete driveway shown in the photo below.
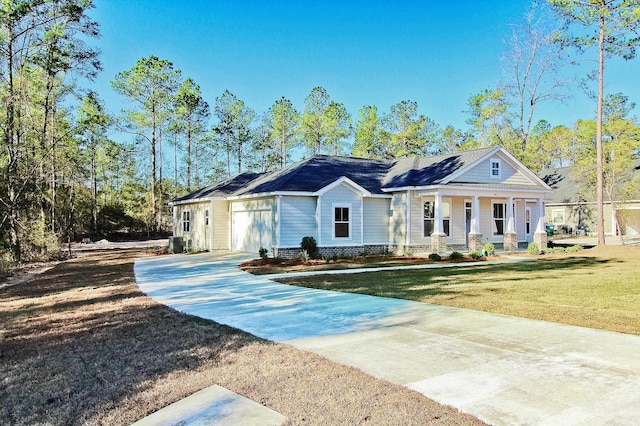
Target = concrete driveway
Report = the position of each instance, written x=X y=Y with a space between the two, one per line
x=502 y=369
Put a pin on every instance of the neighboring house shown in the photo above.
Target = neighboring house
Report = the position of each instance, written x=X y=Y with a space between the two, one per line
x=570 y=213
x=437 y=204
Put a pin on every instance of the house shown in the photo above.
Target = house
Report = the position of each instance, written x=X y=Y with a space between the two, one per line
x=570 y=213
x=438 y=204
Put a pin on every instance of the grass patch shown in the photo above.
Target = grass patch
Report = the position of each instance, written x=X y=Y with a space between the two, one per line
x=80 y=344
x=598 y=288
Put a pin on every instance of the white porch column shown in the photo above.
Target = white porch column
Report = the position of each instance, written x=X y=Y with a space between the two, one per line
x=475 y=236
x=437 y=212
x=511 y=228
x=540 y=228
x=475 y=215
x=540 y=236
x=510 y=236
x=438 y=238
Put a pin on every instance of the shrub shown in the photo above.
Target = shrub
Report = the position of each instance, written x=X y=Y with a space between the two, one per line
x=263 y=252
x=476 y=255
x=435 y=257
x=574 y=249
x=407 y=253
x=386 y=253
x=533 y=249
x=489 y=249
x=456 y=255
x=304 y=255
x=364 y=253
x=309 y=245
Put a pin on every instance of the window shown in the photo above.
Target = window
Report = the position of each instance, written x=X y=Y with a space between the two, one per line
x=341 y=222
x=557 y=216
x=186 y=221
x=527 y=221
x=206 y=217
x=495 y=167
x=499 y=210
x=429 y=218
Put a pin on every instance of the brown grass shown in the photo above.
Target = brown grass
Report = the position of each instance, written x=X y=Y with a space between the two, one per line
x=80 y=344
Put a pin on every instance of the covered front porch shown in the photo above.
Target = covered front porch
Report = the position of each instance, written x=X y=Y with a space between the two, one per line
x=445 y=220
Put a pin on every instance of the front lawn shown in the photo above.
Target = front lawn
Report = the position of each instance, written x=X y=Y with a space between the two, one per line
x=597 y=288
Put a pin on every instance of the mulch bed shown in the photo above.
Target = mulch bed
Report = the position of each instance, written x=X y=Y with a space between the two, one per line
x=280 y=266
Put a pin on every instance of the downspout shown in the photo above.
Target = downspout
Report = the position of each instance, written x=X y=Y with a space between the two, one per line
x=319 y=220
x=278 y=219
x=362 y=220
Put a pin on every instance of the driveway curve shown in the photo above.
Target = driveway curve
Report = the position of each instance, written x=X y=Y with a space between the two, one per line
x=503 y=370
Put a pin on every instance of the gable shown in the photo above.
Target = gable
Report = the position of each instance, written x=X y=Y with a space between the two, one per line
x=346 y=183
x=510 y=173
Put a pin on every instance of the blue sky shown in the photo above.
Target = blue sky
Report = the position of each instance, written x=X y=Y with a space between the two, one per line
x=438 y=53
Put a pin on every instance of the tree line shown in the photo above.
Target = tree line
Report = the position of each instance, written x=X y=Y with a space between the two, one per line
x=64 y=176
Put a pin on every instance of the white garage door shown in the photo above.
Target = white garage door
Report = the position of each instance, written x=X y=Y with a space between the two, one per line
x=251 y=230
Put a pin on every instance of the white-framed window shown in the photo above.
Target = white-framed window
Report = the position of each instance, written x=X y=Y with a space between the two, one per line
x=527 y=220
x=206 y=217
x=557 y=216
x=342 y=221
x=186 y=221
x=499 y=210
x=429 y=216
x=496 y=167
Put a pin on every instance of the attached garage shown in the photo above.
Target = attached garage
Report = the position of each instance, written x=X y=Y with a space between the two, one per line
x=252 y=225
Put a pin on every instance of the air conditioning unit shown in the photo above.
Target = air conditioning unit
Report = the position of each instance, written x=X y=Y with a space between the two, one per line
x=176 y=245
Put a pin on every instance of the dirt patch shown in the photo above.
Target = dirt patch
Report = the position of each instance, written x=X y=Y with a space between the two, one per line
x=282 y=266
x=80 y=344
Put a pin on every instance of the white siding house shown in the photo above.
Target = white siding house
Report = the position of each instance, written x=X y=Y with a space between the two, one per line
x=451 y=202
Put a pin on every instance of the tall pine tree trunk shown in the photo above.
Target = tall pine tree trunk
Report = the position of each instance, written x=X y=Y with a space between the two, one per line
x=599 y=153
x=188 y=159
x=94 y=189
x=10 y=134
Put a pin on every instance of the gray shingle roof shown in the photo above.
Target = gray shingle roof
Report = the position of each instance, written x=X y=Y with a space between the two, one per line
x=313 y=174
x=422 y=171
x=221 y=189
x=567 y=189
x=319 y=171
x=565 y=186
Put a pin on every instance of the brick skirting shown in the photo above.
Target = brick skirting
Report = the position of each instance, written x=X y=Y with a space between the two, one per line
x=352 y=251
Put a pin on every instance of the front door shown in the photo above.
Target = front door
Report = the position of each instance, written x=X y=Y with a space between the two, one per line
x=527 y=223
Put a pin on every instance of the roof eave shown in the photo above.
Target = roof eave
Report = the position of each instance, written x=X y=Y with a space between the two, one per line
x=196 y=200
x=271 y=194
